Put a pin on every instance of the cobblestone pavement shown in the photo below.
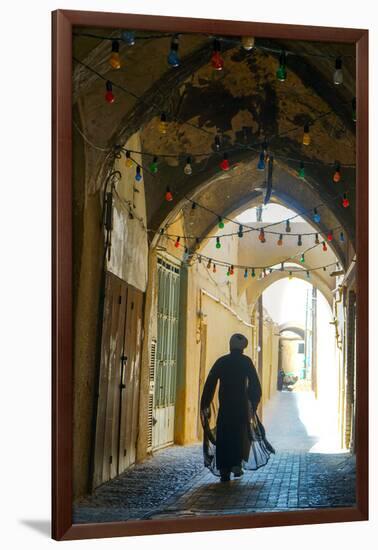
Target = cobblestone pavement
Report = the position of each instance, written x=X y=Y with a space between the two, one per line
x=174 y=482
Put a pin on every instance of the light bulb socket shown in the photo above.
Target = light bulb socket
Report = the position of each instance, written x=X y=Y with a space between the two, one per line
x=216 y=45
x=283 y=58
x=115 y=46
x=163 y=117
x=338 y=63
x=175 y=43
x=109 y=86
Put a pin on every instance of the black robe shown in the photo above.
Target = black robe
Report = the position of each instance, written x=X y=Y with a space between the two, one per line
x=238 y=437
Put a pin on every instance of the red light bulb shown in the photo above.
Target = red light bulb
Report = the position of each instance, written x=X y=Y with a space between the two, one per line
x=217 y=61
x=232 y=270
x=225 y=164
x=216 y=58
x=177 y=243
x=345 y=201
x=324 y=247
x=109 y=96
x=330 y=236
x=168 y=195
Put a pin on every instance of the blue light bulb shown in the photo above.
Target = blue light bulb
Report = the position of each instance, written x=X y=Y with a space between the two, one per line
x=261 y=163
x=173 y=59
x=316 y=216
x=128 y=37
x=138 y=174
x=342 y=238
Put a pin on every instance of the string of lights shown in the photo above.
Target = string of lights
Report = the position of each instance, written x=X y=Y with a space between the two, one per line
x=248 y=43
x=261 y=144
x=252 y=270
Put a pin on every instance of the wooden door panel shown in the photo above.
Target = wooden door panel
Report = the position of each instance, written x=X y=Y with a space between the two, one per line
x=118 y=395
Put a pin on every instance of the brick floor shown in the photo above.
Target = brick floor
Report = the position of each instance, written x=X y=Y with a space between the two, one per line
x=175 y=483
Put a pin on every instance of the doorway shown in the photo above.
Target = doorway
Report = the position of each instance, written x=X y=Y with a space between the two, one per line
x=166 y=353
x=118 y=389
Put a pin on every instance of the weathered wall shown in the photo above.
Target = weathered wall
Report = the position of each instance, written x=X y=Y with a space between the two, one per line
x=292 y=361
x=88 y=269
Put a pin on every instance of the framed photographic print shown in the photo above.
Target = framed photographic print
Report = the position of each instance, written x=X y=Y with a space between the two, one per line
x=210 y=274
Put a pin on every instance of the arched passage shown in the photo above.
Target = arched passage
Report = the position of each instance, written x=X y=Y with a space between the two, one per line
x=187 y=308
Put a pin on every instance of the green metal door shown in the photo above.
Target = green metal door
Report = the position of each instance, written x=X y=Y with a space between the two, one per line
x=166 y=353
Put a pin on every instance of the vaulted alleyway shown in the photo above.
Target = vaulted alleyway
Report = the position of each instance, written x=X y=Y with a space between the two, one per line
x=305 y=473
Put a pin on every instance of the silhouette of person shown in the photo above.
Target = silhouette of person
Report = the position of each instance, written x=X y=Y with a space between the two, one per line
x=238 y=439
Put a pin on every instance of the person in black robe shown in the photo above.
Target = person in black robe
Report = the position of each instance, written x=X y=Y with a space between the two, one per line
x=238 y=438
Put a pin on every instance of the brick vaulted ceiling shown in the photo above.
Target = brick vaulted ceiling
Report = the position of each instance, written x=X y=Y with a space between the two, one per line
x=244 y=103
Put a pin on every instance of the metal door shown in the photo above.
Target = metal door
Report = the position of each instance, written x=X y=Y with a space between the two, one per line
x=118 y=387
x=166 y=354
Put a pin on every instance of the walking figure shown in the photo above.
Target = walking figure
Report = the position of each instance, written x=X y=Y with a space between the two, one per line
x=237 y=440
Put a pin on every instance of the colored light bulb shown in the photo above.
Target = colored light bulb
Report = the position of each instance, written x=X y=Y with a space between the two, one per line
x=342 y=238
x=154 y=166
x=301 y=171
x=188 y=167
x=218 y=243
x=316 y=216
x=216 y=58
x=307 y=274
x=245 y=273
x=214 y=268
x=128 y=37
x=138 y=173
x=324 y=247
x=262 y=235
x=302 y=260
x=337 y=174
x=173 y=58
x=208 y=264
x=240 y=231
x=299 y=243
x=306 y=140
x=232 y=270
x=177 y=243
x=281 y=71
x=280 y=240
x=288 y=227
x=338 y=74
x=228 y=272
x=163 y=125
x=109 y=96
x=114 y=60
x=248 y=42
x=220 y=223
x=253 y=273
x=225 y=163
x=330 y=236
x=168 y=195
x=261 y=162
x=345 y=201
x=129 y=161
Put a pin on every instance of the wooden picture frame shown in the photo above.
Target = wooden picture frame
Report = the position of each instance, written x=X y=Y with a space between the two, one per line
x=63 y=22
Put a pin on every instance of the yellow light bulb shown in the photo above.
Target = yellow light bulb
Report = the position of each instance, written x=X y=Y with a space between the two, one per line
x=163 y=127
x=306 y=135
x=129 y=163
x=248 y=42
x=115 y=61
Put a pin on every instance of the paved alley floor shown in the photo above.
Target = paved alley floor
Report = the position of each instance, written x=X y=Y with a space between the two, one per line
x=174 y=483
